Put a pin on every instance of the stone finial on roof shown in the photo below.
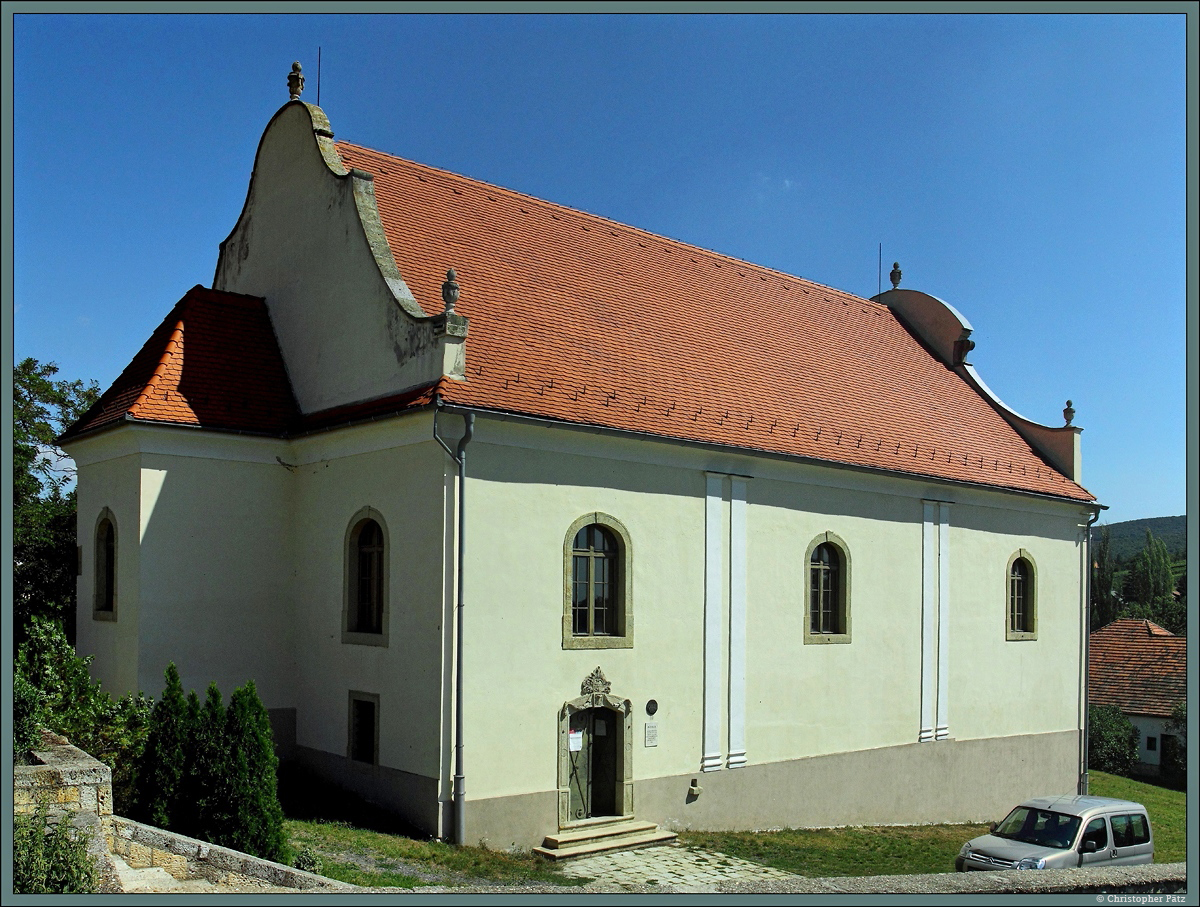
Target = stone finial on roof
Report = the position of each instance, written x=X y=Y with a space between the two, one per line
x=1069 y=413
x=295 y=82
x=450 y=291
x=895 y=275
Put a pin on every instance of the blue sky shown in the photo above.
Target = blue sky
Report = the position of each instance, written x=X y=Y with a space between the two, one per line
x=1030 y=170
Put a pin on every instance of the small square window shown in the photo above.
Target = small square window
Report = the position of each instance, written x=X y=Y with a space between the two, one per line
x=1152 y=744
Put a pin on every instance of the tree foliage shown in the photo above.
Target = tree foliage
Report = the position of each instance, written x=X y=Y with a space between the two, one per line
x=75 y=706
x=1150 y=586
x=28 y=716
x=1149 y=579
x=1112 y=740
x=206 y=808
x=44 y=558
x=1106 y=604
x=1175 y=762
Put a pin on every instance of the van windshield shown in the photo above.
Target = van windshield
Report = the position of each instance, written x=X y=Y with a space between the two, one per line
x=1040 y=827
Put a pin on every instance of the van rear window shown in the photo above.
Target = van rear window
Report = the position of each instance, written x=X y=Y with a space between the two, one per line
x=1130 y=829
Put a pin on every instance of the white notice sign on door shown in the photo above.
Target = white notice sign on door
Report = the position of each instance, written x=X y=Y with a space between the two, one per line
x=575 y=741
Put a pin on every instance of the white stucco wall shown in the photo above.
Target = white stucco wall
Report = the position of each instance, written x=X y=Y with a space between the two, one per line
x=239 y=566
x=395 y=468
x=347 y=332
x=109 y=477
x=528 y=484
x=202 y=560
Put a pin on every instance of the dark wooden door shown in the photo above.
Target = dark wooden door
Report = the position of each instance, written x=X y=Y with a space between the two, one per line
x=594 y=738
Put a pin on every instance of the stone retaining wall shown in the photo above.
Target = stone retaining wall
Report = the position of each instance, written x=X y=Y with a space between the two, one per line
x=64 y=779
x=142 y=846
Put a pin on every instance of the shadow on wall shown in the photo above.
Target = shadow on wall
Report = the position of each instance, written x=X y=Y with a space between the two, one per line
x=307 y=797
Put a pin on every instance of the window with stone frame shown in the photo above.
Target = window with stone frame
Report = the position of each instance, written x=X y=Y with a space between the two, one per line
x=828 y=600
x=598 y=608
x=1022 y=597
x=104 y=603
x=365 y=607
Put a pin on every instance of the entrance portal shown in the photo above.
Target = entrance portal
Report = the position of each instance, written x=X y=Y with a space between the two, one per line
x=593 y=738
x=595 y=754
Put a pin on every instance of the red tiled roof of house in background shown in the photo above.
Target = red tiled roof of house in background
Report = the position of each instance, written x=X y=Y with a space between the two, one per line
x=1137 y=666
x=212 y=363
x=580 y=319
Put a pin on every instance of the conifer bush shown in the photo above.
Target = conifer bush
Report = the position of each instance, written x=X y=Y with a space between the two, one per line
x=256 y=824
x=164 y=758
x=206 y=793
x=210 y=771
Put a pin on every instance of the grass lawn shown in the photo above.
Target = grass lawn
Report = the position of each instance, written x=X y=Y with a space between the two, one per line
x=366 y=848
x=831 y=852
x=361 y=856
x=1167 y=808
x=903 y=850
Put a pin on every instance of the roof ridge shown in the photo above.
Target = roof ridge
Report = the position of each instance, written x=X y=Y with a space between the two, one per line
x=549 y=205
x=176 y=338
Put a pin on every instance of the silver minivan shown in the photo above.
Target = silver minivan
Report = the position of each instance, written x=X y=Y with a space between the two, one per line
x=1062 y=832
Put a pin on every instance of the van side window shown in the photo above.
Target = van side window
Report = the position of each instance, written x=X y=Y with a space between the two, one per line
x=1130 y=830
x=1096 y=831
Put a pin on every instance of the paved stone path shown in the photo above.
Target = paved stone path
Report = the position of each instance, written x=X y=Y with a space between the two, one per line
x=671 y=864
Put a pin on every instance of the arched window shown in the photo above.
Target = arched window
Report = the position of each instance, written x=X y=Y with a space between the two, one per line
x=366 y=605
x=105 y=593
x=1022 y=597
x=598 y=610
x=595 y=568
x=828 y=590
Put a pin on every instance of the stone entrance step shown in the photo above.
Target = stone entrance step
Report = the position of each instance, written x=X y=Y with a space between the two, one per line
x=602 y=835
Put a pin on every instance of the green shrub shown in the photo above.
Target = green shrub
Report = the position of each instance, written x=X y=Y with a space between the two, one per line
x=27 y=716
x=76 y=707
x=1112 y=740
x=308 y=860
x=50 y=860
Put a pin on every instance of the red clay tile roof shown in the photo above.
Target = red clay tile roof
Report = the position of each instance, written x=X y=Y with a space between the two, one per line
x=213 y=363
x=1137 y=666
x=581 y=319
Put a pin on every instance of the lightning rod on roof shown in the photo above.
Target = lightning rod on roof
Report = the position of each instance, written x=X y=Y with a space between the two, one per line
x=879 y=273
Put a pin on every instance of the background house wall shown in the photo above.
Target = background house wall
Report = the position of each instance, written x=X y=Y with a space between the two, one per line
x=1148 y=726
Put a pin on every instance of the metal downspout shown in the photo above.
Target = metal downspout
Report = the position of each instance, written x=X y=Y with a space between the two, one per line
x=460 y=457
x=1082 y=787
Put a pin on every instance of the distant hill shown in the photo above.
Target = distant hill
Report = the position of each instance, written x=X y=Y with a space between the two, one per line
x=1129 y=537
